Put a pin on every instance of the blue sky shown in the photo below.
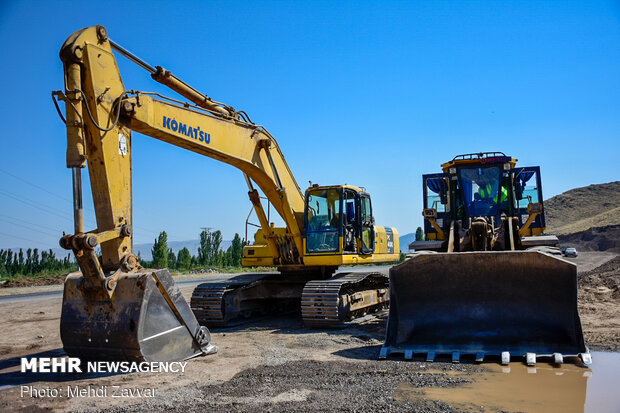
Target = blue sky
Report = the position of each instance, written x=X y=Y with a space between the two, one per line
x=367 y=93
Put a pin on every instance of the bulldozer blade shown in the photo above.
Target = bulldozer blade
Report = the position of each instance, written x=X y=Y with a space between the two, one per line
x=484 y=304
x=145 y=319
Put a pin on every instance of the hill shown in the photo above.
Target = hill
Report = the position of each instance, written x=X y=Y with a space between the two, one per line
x=593 y=239
x=583 y=208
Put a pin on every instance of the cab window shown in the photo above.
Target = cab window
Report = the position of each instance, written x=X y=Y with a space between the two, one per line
x=481 y=190
x=323 y=209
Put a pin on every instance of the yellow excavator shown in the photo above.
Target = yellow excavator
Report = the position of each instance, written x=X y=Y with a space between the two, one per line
x=115 y=309
x=486 y=281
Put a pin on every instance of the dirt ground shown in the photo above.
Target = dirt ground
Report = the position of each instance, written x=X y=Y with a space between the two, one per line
x=34 y=281
x=275 y=364
x=599 y=305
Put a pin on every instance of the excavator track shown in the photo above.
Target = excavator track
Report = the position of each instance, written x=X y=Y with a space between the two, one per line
x=242 y=298
x=333 y=302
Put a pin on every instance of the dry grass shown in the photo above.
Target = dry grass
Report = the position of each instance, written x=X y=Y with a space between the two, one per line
x=582 y=208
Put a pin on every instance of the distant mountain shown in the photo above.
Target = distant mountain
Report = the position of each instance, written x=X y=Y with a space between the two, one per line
x=580 y=209
x=405 y=240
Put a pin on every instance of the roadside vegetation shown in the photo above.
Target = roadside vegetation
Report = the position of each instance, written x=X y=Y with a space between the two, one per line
x=16 y=264
x=211 y=257
x=19 y=268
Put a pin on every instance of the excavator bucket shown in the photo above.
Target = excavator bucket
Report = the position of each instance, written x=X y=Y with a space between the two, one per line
x=520 y=303
x=145 y=319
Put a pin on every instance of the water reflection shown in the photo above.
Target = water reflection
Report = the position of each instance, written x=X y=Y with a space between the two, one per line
x=569 y=388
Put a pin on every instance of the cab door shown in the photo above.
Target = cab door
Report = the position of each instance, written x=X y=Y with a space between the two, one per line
x=527 y=186
x=367 y=232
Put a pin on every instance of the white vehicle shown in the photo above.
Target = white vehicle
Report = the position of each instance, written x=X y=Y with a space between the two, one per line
x=570 y=252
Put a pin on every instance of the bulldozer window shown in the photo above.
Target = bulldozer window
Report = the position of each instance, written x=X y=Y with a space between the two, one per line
x=530 y=192
x=433 y=201
x=480 y=189
x=436 y=187
x=323 y=220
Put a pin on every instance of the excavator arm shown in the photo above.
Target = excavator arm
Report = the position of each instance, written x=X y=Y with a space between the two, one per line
x=101 y=115
x=113 y=308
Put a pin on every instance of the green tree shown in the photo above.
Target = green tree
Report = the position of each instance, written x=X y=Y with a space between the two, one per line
x=215 y=255
x=184 y=259
x=419 y=234
x=205 y=247
x=20 y=262
x=172 y=259
x=160 y=251
x=28 y=268
x=12 y=263
x=209 y=249
x=141 y=261
x=402 y=257
x=35 y=261
x=236 y=249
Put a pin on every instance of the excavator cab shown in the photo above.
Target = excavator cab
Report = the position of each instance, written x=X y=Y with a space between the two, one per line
x=338 y=220
x=485 y=281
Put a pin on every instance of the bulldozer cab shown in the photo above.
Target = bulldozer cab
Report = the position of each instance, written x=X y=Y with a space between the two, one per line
x=338 y=220
x=485 y=190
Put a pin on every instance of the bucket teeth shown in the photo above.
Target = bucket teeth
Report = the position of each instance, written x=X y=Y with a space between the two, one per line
x=505 y=357
x=586 y=358
x=530 y=359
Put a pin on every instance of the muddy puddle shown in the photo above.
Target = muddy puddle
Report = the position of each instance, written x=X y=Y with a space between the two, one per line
x=544 y=388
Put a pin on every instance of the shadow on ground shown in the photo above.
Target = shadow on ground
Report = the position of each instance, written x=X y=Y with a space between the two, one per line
x=370 y=326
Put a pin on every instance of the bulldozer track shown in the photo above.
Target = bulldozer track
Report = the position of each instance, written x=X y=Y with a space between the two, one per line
x=335 y=301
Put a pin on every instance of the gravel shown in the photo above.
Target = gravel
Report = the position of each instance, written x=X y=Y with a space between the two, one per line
x=313 y=386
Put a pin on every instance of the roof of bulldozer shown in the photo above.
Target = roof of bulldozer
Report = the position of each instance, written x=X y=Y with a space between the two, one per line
x=480 y=158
